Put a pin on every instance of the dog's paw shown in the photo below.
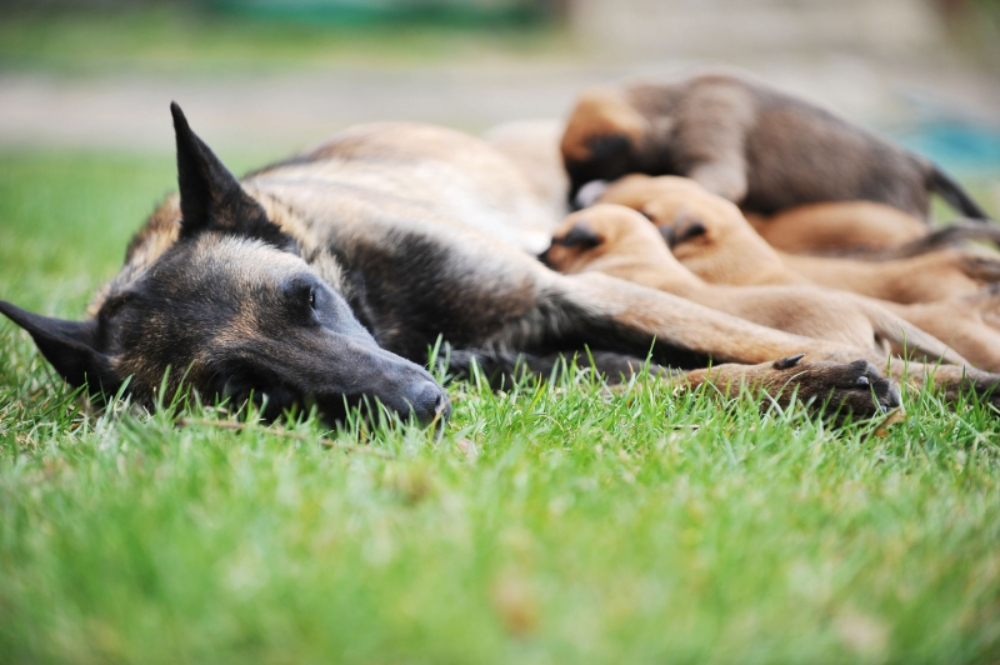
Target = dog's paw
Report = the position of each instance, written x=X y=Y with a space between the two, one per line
x=837 y=389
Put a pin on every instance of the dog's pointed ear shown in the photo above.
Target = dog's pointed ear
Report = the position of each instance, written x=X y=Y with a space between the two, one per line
x=70 y=346
x=211 y=197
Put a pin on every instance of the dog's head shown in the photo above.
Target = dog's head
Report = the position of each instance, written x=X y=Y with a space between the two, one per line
x=231 y=309
x=602 y=139
x=604 y=237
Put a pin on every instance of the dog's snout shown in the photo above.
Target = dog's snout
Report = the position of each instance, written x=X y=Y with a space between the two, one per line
x=430 y=402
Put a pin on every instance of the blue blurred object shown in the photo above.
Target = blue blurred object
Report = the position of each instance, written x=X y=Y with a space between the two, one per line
x=955 y=146
x=455 y=12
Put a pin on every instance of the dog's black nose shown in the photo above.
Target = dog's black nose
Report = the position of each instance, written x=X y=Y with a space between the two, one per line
x=429 y=402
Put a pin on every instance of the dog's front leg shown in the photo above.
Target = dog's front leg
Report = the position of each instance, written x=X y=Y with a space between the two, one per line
x=614 y=313
x=835 y=388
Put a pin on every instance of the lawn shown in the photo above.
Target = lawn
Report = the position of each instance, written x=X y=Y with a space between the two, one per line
x=549 y=524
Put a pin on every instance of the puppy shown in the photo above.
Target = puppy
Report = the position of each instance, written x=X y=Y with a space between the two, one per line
x=841 y=227
x=713 y=239
x=861 y=229
x=617 y=241
x=746 y=142
x=710 y=237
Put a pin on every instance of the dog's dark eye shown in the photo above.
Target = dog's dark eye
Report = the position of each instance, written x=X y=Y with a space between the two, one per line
x=312 y=297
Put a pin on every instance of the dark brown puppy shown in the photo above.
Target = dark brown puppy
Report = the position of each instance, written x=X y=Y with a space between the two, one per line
x=749 y=143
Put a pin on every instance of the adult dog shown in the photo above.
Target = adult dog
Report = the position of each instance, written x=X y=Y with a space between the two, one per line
x=326 y=276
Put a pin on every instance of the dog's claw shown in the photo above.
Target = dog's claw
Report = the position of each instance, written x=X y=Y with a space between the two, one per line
x=863 y=381
x=788 y=361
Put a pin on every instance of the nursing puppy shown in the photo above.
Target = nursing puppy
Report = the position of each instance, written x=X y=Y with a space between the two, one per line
x=714 y=240
x=618 y=241
x=861 y=229
x=753 y=145
x=710 y=237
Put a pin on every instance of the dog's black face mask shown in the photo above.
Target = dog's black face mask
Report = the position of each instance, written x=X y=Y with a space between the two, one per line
x=232 y=310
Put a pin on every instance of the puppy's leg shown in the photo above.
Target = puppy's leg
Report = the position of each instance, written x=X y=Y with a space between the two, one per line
x=711 y=137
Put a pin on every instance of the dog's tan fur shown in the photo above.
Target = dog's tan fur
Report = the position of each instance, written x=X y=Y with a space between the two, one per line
x=533 y=147
x=620 y=242
x=730 y=252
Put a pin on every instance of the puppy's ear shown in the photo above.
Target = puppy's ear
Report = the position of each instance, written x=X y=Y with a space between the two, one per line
x=211 y=197
x=70 y=346
x=579 y=237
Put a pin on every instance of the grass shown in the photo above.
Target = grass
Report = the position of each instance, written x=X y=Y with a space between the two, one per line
x=550 y=524
x=170 y=39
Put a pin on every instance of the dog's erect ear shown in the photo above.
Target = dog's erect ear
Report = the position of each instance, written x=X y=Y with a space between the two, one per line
x=211 y=197
x=70 y=346
x=579 y=237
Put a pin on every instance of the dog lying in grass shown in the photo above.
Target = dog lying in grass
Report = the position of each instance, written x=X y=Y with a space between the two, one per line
x=755 y=146
x=710 y=237
x=325 y=278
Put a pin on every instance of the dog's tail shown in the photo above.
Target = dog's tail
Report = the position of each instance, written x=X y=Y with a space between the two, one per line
x=905 y=339
x=941 y=183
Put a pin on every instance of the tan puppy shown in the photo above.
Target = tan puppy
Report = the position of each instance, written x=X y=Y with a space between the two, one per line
x=842 y=227
x=712 y=239
x=860 y=229
x=617 y=241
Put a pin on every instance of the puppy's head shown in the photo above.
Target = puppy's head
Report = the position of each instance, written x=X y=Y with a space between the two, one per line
x=602 y=138
x=588 y=238
x=232 y=308
x=692 y=220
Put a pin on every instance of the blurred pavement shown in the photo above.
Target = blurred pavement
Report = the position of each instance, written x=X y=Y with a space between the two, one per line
x=271 y=111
